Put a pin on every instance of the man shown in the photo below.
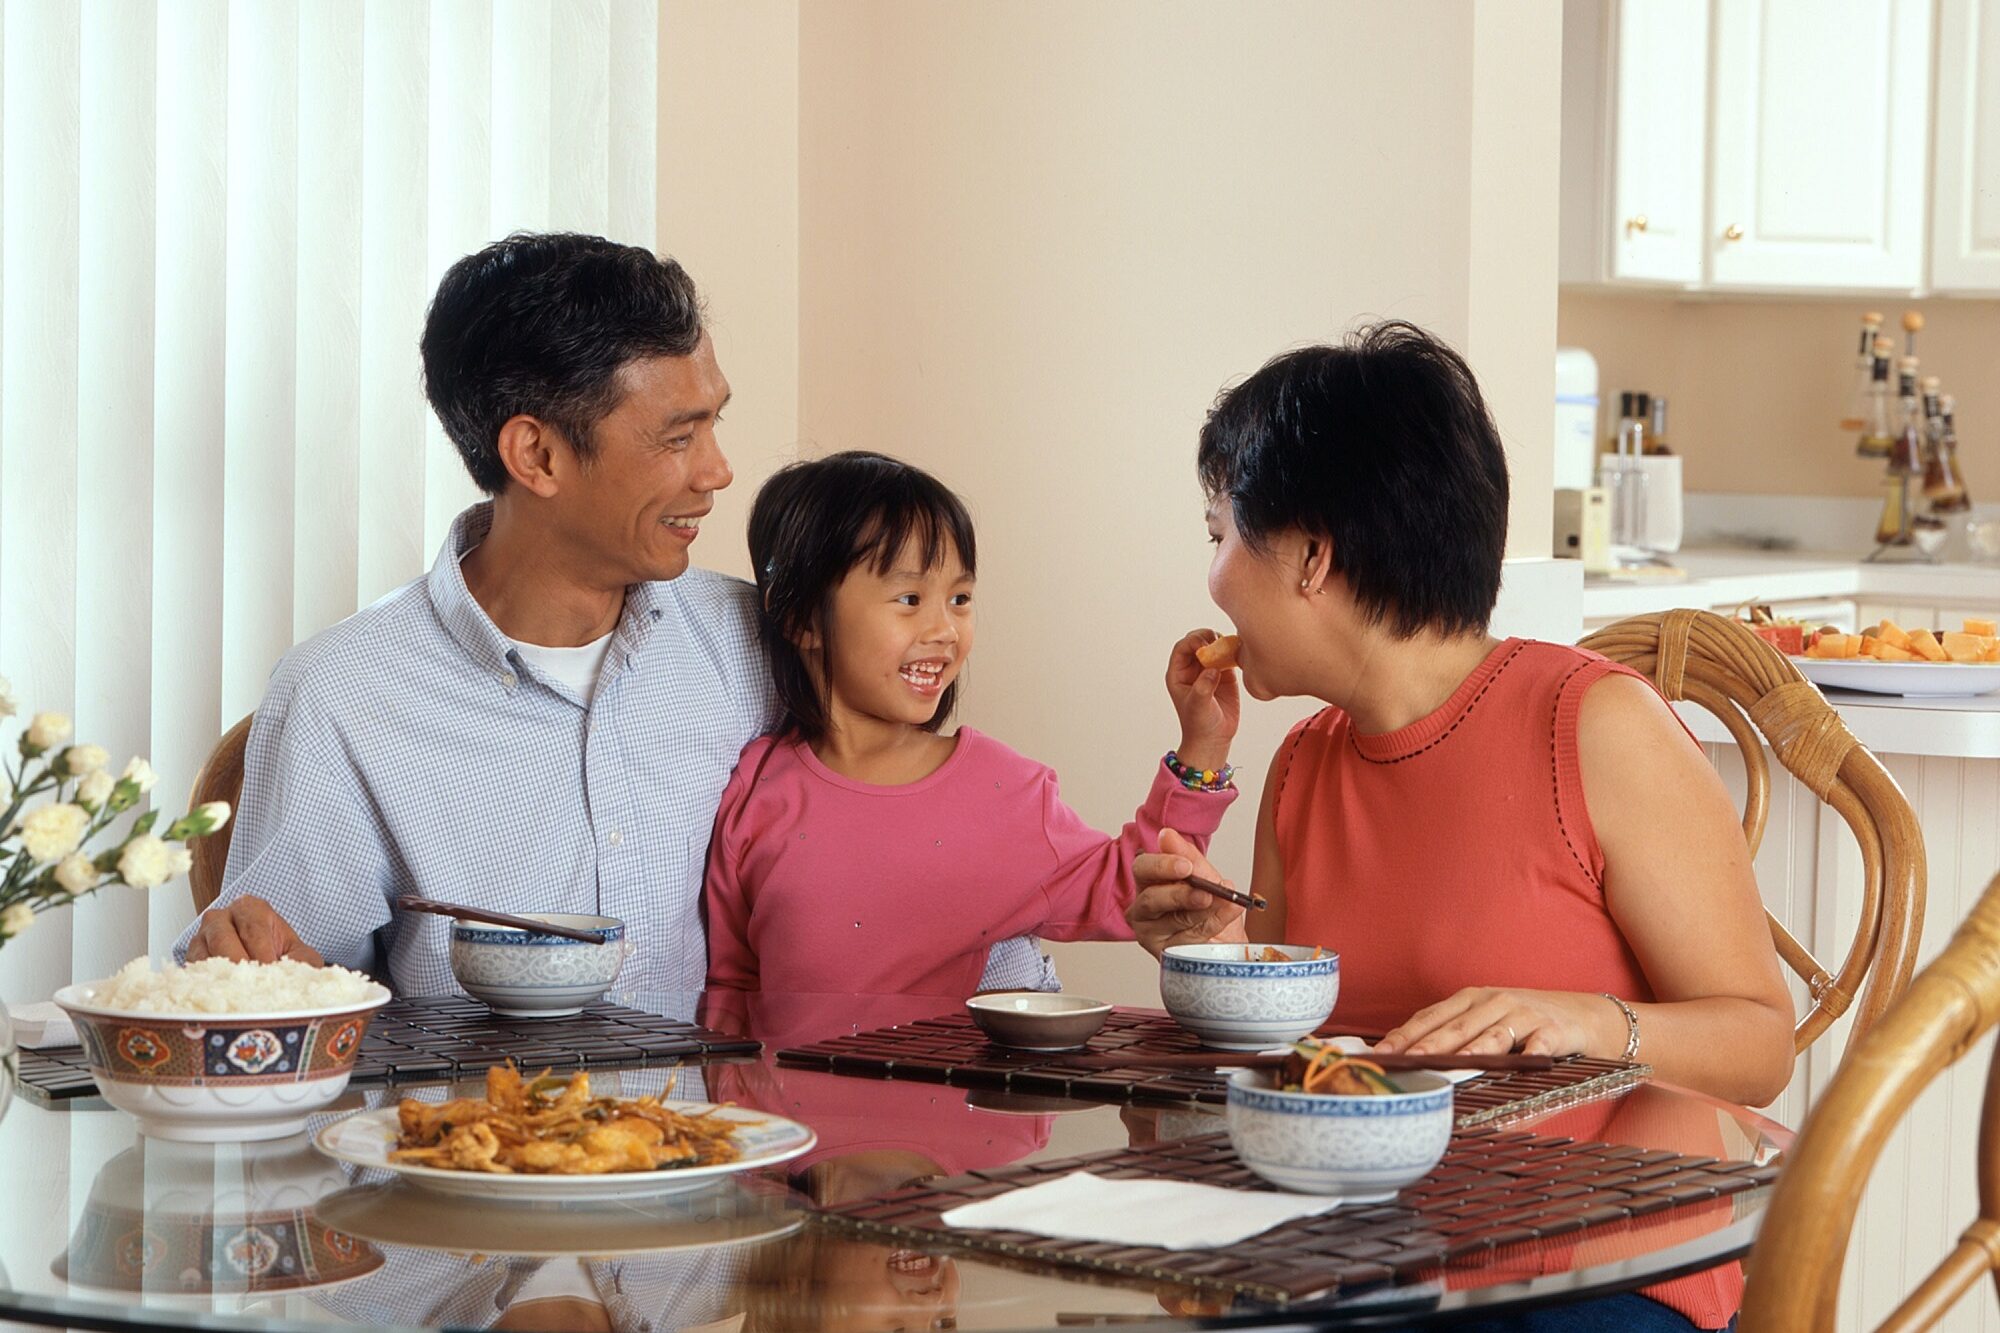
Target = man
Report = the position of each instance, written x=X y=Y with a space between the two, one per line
x=546 y=721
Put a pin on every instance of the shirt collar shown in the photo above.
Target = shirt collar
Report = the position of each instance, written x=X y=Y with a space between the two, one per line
x=467 y=622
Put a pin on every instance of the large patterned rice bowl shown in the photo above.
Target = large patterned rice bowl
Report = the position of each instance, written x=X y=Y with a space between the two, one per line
x=220 y=1050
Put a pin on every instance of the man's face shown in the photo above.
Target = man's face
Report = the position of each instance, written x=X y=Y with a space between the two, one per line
x=636 y=507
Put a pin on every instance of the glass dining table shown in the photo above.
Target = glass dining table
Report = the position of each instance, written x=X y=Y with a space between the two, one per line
x=106 y=1229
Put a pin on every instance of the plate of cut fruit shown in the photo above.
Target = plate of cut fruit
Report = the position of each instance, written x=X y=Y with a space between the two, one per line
x=1888 y=659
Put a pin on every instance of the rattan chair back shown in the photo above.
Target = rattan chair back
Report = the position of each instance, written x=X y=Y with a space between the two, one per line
x=1794 y=1271
x=220 y=779
x=1760 y=697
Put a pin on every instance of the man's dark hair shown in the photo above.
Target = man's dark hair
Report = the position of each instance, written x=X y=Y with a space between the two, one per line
x=814 y=521
x=1383 y=448
x=539 y=325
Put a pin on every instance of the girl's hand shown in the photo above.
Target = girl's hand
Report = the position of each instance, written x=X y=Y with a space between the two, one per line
x=1168 y=910
x=1207 y=702
x=1482 y=1020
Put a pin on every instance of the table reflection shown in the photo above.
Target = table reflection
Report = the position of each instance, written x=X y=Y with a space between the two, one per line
x=277 y=1230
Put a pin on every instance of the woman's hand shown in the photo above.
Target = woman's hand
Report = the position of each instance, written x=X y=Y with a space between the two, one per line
x=1481 y=1020
x=1207 y=702
x=1168 y=910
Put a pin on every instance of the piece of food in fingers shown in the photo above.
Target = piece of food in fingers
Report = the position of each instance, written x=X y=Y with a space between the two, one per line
x=1219 y=654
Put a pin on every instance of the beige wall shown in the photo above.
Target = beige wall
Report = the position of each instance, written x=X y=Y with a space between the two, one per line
x=1757 y=388
x=1036 y=239
x=729 y=211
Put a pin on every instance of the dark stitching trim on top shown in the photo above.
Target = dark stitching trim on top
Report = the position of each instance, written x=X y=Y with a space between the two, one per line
x=1555 y=772
x=1291 y=753
x=1445 y=735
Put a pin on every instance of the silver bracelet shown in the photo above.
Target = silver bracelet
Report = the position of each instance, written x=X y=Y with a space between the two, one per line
x=1631 y=1027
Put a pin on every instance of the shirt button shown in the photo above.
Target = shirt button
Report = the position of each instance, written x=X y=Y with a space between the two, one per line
x=507 y=679
x=614 y=837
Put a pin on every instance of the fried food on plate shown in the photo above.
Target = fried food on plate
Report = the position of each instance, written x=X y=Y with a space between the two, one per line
x=553 y=1126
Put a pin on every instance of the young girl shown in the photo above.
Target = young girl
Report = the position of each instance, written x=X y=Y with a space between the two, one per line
x=859 y=849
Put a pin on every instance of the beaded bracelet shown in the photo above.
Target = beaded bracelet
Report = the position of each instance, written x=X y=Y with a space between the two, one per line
x=1201 y=779
x=1631 y=1027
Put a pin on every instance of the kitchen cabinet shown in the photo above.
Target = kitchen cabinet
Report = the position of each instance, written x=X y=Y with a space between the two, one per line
x=1820 y=119
x=1965 y=219
x=1769 y=145
x=1634 y=127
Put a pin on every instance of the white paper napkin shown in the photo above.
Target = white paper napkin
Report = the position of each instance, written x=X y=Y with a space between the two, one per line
x=37 y=1026
x=1164 y=1214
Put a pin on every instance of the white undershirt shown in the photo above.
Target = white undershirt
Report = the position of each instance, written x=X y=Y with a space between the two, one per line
x=574 y=667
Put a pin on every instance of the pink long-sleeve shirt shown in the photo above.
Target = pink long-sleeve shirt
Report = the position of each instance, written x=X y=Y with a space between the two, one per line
x=818 y=882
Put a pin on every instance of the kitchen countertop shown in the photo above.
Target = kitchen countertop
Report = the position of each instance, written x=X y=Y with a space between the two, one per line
x=1961 y=728
x=1726 y=577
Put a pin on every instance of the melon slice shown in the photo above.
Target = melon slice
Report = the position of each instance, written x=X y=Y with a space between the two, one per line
x=1889 y=652
x=1925 y=645
x=1890 y=632
x=1986 y=628
x=1963 y=647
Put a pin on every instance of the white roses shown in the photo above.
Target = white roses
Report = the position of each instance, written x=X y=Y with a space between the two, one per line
x=80 y=761
x=77 y=874
x=44 y=858
x=52 y=832
x=95 y=790
x=147 y=862
x=47 y=730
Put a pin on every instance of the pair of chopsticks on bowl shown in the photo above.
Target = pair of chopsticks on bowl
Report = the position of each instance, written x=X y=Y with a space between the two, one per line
x=411 y=903
x=1402 y=1060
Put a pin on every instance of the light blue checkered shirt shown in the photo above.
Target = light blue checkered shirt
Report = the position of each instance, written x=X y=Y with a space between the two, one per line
x=410 y=749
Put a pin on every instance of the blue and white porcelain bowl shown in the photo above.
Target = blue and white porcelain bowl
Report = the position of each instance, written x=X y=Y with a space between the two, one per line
x=1361 y=1148
x=1237 y=1005
x=524 y=975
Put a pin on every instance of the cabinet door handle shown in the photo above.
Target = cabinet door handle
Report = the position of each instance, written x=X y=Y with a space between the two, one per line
x=1637 y=222
x=1732 y=232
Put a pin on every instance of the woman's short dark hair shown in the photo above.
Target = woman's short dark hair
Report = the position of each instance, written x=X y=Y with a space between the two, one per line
x=814 y=521
x=1383 y=448
x=539 y=325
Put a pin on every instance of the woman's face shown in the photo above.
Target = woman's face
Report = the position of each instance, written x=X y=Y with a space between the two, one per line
x=1259 y=592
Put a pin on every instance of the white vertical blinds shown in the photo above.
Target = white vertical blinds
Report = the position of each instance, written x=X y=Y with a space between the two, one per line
x=222 y=223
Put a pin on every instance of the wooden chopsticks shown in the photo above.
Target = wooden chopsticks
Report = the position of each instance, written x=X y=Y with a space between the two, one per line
x=411 y=903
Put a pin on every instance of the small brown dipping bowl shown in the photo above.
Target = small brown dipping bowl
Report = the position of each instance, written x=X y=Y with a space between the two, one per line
x=1038 y=1020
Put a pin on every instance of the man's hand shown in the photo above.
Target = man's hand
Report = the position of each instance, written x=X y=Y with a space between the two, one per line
x=1168 y=910
x=249 y=930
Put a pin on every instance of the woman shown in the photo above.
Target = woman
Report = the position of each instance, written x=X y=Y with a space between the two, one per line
x=1513 y=845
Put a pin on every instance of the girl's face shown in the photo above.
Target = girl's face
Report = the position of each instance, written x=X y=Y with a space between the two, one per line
x=899 y=639
x=1260 y=595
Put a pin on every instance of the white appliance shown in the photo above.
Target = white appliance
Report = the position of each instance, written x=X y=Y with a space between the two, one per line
x=1576 y=419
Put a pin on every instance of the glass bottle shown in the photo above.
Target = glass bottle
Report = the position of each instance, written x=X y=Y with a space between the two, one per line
x=1856 y=420
x=1656 y=437
x=1615 y=442
x=1906 y=450
x=1878 y=435
x=1944 y=485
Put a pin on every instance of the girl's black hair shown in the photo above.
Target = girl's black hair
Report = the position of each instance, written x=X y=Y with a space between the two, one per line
x=814 y=521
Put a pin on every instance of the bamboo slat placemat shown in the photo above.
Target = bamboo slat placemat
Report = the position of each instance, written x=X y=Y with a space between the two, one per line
x=951 y=1049
x=1493 y=1189
x=454 y=1037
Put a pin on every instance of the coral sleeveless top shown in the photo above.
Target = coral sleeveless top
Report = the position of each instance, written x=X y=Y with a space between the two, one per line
x=1458 y=852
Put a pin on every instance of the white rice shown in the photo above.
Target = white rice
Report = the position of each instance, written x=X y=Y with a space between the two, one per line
x=220 y=986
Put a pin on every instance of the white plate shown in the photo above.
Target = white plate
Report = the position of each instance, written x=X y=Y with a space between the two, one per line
x=412 y=1218
x=366 y=1139
x=1936 y=680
